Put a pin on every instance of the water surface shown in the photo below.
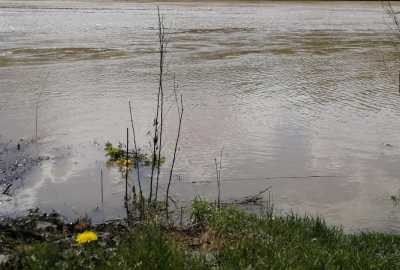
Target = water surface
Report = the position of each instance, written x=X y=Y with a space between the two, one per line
x=302 y=97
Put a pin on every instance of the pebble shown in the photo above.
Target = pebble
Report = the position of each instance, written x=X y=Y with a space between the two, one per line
x=4 y=258
x=45 y=226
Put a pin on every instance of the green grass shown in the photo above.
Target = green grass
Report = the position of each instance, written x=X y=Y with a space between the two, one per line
x=146 y=247
x=226 y=238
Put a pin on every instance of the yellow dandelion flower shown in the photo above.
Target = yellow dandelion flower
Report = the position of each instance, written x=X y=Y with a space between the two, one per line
x=86 y=237
x=125 y=162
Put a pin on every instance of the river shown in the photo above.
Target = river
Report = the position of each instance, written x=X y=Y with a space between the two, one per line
x=302 y=97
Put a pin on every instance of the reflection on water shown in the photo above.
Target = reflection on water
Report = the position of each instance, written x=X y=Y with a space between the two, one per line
x=302 y=96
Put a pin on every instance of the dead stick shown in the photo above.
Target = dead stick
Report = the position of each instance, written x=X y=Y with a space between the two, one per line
x=137 y=161
x=181 y=219
x=219 y=177
x=216 y=170
x=126 y=172
x=174 y=158
x=163 y=45
x=155 y=137
x=102 y=190
x=7 y=189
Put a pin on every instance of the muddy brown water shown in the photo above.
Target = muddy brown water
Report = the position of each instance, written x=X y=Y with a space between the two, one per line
x=302 y=97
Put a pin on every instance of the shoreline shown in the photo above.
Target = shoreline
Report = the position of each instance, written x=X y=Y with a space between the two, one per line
x=213 y=237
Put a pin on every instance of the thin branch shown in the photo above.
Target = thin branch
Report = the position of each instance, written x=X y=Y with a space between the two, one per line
x=126 y=172
x=101 y=184
x=176 y=95
x=217 y=173
x=174 y=158
x=155 y=137
x=219 y=177
x=390 y=11
x=137 y=161
x=163 y=44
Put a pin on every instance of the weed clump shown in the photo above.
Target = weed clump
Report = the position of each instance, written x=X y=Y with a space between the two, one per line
x=117 y=155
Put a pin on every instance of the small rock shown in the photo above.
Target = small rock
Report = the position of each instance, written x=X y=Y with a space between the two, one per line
x=5 y=198
x=45 y=226
x=4 y=258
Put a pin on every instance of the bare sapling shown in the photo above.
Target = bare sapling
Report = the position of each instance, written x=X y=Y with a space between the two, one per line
x=163 y=50
x=156 y=123
x=101 y=187
x=137 y=165
x=219 y=182
x=180 y=113
x=126 y=165
x=218 y=169
x=392 y=14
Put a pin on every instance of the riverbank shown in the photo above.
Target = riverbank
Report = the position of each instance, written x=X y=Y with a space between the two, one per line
x=288 y=97
x=214 y=238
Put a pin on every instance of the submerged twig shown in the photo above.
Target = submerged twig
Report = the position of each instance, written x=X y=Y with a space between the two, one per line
x=6 y=189
x=393 y=15
x=252 y=198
